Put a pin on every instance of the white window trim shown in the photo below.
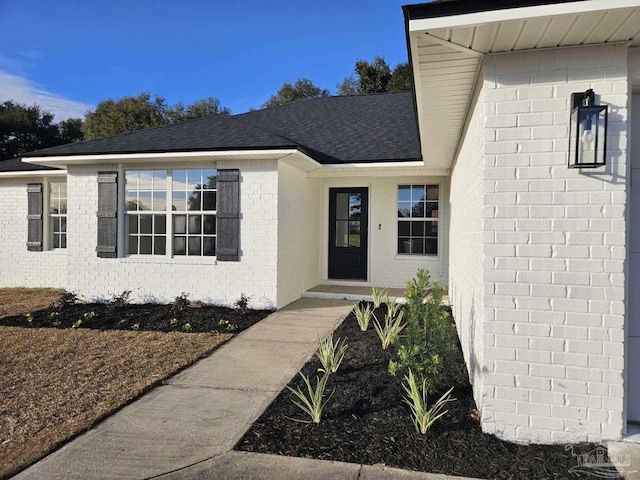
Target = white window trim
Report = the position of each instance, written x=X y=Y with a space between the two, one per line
x=408 y=256
x=122 y=220
x=47 y=233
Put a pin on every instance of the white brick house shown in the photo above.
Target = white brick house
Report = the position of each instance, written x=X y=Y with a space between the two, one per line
x=466 y=177
x=542 y=270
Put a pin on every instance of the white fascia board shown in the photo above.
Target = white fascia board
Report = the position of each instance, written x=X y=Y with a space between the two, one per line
x=34 y=173
x=374 y=165
x=138 y=157
x=301 y=161
x=521 y=13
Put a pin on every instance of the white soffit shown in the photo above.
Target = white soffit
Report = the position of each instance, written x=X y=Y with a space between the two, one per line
x=447 y=53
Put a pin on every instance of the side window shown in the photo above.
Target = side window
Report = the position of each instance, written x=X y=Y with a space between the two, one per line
x=58 y=214
x=418 y=219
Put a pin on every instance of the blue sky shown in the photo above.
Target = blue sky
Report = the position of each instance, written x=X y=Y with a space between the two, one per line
x=68 y=55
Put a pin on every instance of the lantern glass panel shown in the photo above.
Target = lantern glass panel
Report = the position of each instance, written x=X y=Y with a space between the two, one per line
x=587 y=141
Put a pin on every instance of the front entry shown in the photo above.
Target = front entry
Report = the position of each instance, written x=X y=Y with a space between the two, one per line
x=348 y=232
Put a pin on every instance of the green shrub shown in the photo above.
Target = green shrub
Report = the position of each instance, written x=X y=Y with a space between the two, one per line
x=187 y=327
x=231 y=327
x=429 y=346
x=330 y=354
x=423 y=416
x=242 y=303
x=121 y=300
x=181 y=303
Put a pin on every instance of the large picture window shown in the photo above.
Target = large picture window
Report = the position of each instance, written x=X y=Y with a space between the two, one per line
x=171 y=211
x=418 y=219
x=58 y=214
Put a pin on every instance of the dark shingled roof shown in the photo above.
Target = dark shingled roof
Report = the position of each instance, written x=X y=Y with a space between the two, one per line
x=16 y=165
x=360 y=128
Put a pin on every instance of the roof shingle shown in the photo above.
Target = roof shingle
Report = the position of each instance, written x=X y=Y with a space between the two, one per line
x=361 y=128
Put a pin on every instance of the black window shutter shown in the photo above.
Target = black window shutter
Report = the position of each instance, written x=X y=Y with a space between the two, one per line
x=228 y=215
x=107 y=215
x=34 y=217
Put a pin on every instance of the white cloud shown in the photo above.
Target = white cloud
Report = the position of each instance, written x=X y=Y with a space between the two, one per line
x=22 y=90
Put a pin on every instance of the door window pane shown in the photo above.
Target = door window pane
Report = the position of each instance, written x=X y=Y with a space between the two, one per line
x=342 y=206
x=342 y=233
x=355 y=206
x=354 y=234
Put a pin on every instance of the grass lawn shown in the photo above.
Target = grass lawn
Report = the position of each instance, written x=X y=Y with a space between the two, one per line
x=57 y=383
x=18 y=301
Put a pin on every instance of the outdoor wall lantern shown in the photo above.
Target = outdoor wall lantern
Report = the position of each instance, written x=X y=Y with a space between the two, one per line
x=587 y=132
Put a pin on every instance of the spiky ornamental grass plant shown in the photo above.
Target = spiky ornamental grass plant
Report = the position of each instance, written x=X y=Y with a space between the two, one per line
x=379 y=296
x=363 y=316
x=393 y=308
x=391 y=330
x=313 y=402
x=330 y=353
x=423 y=415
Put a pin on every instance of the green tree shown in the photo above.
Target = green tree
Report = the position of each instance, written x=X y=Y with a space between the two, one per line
x=27 y=128
x=400 y=78
x=71 y=130
x=373 y=77
x=202 y=108
x=125 y=115
x=376 y=77
x=302 y=89
x=349 y=86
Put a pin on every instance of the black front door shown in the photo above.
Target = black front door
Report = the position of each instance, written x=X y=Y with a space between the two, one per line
x=348 y=233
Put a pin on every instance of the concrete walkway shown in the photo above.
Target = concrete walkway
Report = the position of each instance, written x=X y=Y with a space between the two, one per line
x=202 y=412
x=257 y=466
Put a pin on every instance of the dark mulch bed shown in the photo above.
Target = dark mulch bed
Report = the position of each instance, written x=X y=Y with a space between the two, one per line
x=367 y=422
x=196 y=318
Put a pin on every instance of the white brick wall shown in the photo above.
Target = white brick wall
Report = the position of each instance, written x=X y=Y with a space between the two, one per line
x=18 y=266
x=553 y=248
x=299 y=226
x=386 y=267
x=466 y=240
x=162 y=279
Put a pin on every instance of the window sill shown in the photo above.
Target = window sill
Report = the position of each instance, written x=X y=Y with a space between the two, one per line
x=414 y=256
x=164 y=260
x=56 y=251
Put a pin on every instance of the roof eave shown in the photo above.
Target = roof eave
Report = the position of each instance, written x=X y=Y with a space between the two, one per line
x=443 y=106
